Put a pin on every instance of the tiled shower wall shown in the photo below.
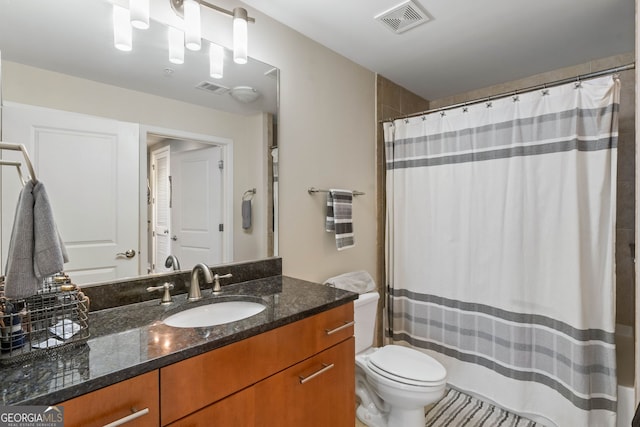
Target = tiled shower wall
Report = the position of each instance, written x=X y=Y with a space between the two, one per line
x=393 y=101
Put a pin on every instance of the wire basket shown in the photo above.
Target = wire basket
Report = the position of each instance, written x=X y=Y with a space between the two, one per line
x=52 y=320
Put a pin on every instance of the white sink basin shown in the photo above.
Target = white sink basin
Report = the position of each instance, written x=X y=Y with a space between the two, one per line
x=214 y=314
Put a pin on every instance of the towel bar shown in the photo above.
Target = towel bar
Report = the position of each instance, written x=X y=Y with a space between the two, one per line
x=23 y=149
x=312 y=190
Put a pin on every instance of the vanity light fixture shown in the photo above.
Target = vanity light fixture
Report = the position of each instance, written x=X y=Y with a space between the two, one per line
x=122 y=33
x=139 y=10
x=216 y=61
x=240 y=24
x=191 y=37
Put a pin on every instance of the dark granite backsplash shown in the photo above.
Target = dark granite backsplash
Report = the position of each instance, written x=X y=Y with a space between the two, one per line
x=131 y=291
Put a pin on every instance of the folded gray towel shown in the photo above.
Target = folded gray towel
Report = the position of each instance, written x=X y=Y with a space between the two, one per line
x=35 y=249
x=339 y=218
x=246 y=214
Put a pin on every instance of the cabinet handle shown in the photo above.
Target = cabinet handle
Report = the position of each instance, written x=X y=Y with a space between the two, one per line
x=339 y=328
x=124 y=420
x=324 y=369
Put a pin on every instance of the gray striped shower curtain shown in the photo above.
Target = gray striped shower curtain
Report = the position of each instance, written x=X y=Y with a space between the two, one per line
x=500 y=248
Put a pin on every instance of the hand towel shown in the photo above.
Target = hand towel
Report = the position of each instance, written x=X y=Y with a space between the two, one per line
x=339 y=218
x=246 y=214
x=35 y=249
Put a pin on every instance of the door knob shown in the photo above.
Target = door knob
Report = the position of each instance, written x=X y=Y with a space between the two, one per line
x=129 y=254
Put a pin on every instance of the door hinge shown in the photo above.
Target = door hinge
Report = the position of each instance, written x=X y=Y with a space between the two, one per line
x=220 y=164
x=220 y=227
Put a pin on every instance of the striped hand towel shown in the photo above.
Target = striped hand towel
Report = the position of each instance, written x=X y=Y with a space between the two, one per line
x=339 y=218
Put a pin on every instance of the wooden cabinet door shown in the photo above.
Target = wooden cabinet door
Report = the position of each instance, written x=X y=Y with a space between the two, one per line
x=136 y=396
x=319 y=391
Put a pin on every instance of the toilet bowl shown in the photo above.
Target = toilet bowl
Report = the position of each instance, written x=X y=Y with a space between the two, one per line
x=393 y=383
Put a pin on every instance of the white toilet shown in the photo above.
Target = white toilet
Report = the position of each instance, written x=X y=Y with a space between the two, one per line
x=393 y=383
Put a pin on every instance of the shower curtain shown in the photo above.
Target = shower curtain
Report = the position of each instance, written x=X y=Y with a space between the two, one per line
x=500 y=248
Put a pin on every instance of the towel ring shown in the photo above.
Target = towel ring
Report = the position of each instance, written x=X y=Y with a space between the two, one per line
x=248 y=195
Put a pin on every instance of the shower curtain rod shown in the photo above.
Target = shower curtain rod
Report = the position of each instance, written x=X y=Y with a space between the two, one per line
x=581 y=77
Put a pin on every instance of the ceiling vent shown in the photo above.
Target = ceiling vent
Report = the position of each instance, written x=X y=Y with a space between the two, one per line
x=212 y=87
x=403 y=17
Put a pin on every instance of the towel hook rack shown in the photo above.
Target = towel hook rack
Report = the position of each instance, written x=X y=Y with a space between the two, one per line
x=248 y=195
x=23 y=149
x=313 y=190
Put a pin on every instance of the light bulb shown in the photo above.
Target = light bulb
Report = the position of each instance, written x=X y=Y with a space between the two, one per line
x=139 y=14
x=216 y=61
x=122 y=33
x=176 y=45
x=240 y=36
x=192 y=25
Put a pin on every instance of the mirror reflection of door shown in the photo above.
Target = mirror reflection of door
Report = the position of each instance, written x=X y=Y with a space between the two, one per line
x=160 y=200
x=186 y=205
x=89 y=167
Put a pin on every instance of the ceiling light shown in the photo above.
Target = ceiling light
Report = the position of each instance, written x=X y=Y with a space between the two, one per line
x=240 y=36
x=216 y=61
x=191 y=35
x=192 y=24
x=244 y=94
x=139 y=13
x=122 y=33
x=176 y=45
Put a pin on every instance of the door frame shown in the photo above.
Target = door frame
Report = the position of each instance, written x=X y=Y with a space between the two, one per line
x=153 y=199
x=226 y=153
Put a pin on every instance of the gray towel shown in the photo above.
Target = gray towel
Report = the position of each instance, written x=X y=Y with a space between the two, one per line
x=246 y=214
x=35 y=249
x=339 y=218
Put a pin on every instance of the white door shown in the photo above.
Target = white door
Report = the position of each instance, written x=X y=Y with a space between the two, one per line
x=160 y=208
x=196 y=212
x=89 y=166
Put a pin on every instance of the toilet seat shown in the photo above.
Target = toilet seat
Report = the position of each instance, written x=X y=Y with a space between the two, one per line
x=407 y=366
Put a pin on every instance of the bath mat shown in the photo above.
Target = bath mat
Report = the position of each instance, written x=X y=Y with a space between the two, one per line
x=457 y=409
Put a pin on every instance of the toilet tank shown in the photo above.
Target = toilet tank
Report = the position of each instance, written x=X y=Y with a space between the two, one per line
x=364 y=313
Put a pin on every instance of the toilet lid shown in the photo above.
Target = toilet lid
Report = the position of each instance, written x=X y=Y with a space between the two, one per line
x=407 y=365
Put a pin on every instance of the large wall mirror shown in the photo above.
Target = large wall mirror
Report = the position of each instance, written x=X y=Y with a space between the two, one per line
x=137 y=153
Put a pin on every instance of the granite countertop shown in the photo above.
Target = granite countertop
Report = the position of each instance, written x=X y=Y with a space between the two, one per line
x=130 y=340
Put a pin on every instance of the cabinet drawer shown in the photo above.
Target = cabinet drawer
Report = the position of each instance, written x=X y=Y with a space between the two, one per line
x=319 y=391
x=332 y=327
x=199 y=381
x=136 y=396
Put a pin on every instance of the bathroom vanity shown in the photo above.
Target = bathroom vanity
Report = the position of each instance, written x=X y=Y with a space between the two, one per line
x=290 y=365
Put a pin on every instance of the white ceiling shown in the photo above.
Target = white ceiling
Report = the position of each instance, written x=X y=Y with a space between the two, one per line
x=469 y=44
x=75 y=37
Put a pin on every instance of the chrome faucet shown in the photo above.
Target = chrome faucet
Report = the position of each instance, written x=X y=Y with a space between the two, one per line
x=166 y=296
x=172 y=261
x=194 y=289
x=216 y=282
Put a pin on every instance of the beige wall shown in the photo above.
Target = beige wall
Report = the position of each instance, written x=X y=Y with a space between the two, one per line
x=326 y=138
x=34 y=86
